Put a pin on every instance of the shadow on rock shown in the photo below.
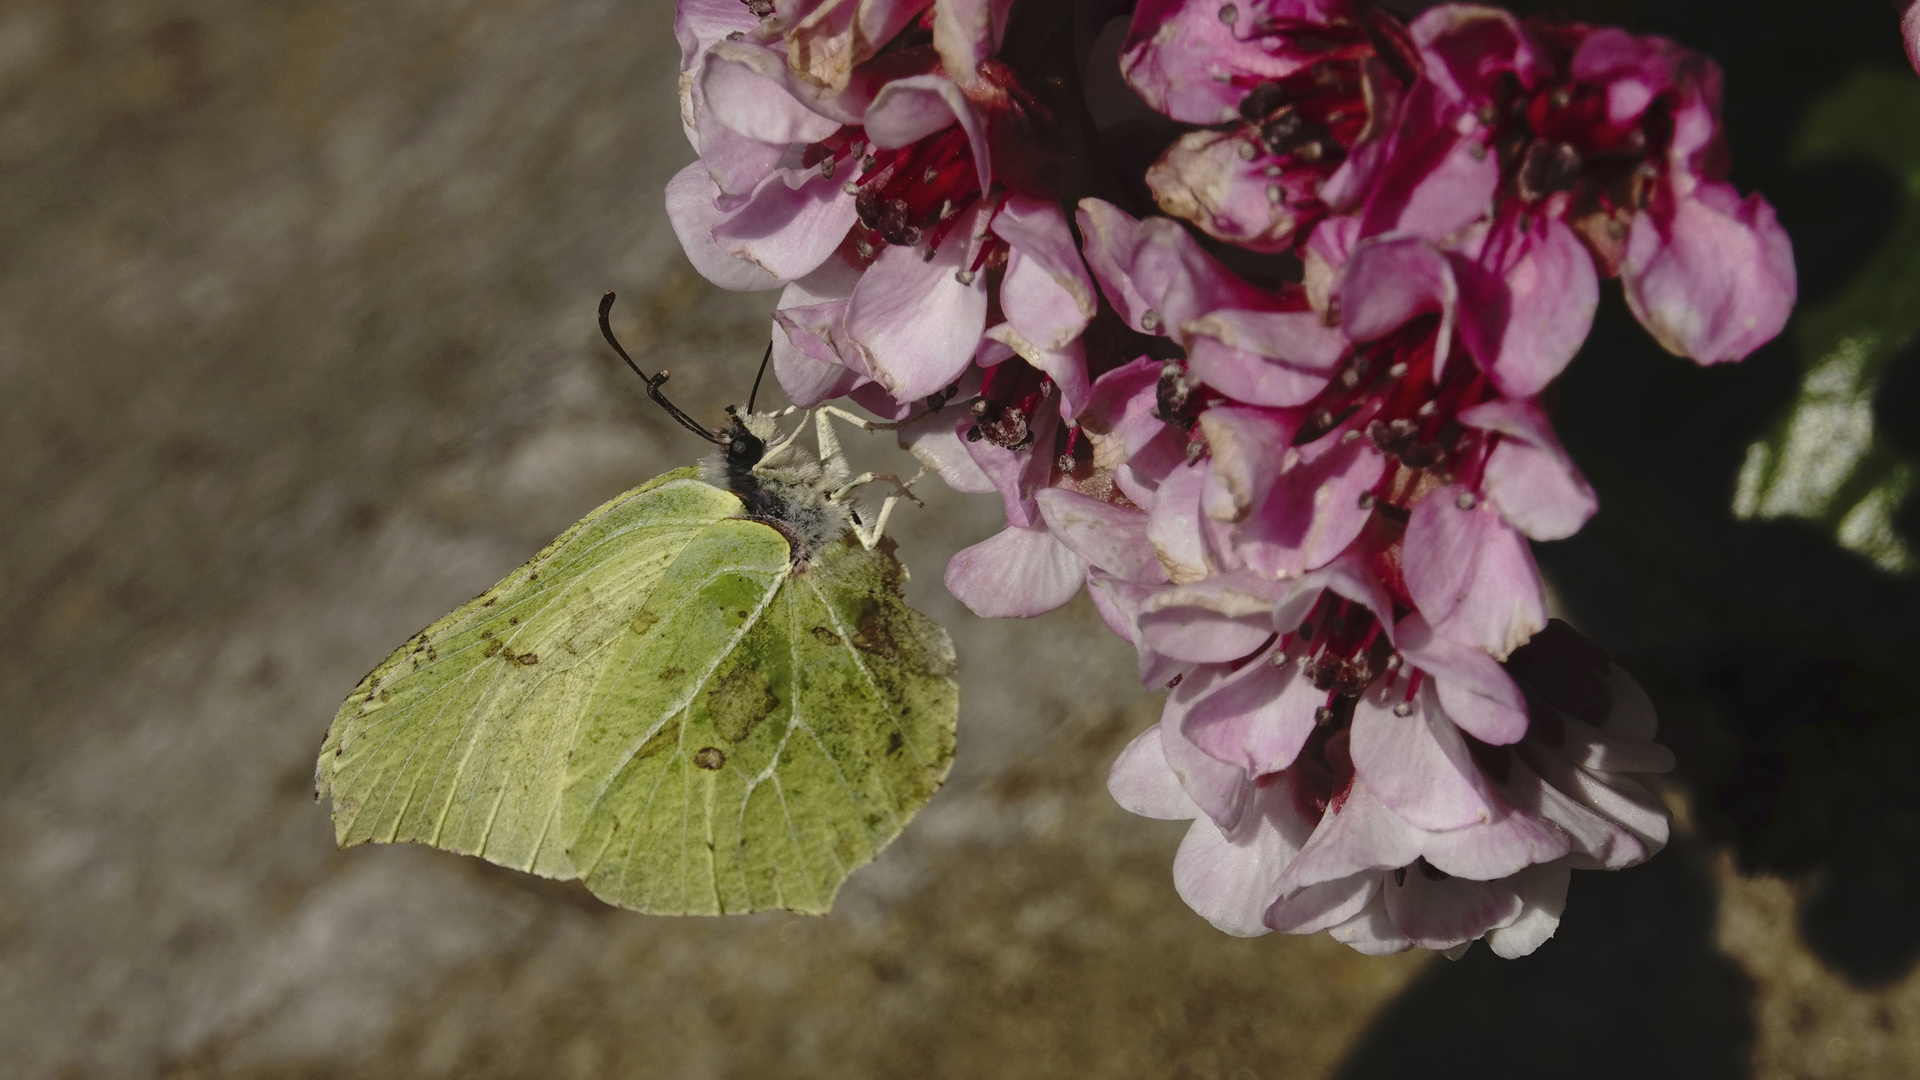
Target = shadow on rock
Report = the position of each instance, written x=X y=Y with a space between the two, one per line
x=1630 y=986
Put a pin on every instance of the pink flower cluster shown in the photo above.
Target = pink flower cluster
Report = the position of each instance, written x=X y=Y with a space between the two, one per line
x=1287 y=430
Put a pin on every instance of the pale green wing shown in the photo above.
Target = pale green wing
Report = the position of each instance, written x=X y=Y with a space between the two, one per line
x=768 y=733
x=460 y=738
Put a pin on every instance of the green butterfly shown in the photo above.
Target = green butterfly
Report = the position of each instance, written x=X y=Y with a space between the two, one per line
x=707 y=697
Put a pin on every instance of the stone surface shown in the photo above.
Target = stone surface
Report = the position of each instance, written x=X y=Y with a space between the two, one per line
x=296 y=353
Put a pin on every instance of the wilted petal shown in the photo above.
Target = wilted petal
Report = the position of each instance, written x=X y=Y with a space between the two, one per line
x=1471 y=574
x=1119 y=416
x=1113 y=538
x=826 y=39
x=1188 y=62
x=690 y=209
x=1439 y=912
x=1204 y=178
x=1417 y=764
x=1143 y=783
x=1529 y=476
x=1710 y=275
x=1248 y=446
x=1543 y=896
x=747 y=87
x=1016 y=573
x=1173 y=525
x=966 y=32
x=1216 y=619
x=1527 y=304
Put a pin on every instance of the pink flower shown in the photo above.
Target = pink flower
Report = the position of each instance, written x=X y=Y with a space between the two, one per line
x=1392 y=826
x=1910 y=30
x=1617 y=136
x=1296 y=95
x=858 y=172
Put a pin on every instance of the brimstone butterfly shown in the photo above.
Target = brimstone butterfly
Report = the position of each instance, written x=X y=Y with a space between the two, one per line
x=708 y=696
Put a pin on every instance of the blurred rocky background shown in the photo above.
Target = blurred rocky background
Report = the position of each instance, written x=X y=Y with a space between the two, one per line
x=297 y=352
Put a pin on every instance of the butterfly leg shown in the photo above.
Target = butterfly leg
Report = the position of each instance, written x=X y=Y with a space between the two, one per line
x=869 y=536
x=832 y=458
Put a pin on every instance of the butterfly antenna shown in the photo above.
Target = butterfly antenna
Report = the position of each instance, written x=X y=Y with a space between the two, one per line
x=755 y=394
x=653 y=381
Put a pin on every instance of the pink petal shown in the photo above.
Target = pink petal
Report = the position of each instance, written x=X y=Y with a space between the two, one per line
x=690 y=209
x=1630 y=714
x=747 y=88
x=1543 y=896
x=1471 y=574
x=1113 y=538
x=1189 y=63
x=910 y=109
x=1221 y=791
x=1359 y=834
x=1709 y=275
x=1230 y=879
x=916 y=322
x=1257 y=716
x=1326 y=905
x=1047 y=294
x=1469 y=47
x=1390 y=281
x=1016 y=573
x=1313 y=512
x=1418 y=765
x=1371 y=933
x=1910 y=30
x=1241 y=354
x=1142 y=782
x=1475 y=692
x=1155 y=274
x=1444 y=912
x=1434 y=185
x=1596 y=842
x=1348 y=577
x=788 y=231
x=1510 y=842
x=1527 y=304
x=1529 y=476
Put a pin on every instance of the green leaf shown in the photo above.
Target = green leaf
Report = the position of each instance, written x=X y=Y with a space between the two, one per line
x=662 y=705
x=1823 y=461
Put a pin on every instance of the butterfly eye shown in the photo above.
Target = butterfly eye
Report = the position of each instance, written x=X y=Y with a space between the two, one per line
x=744 y=448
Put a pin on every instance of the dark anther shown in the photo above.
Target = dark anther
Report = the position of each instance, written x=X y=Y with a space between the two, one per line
x=760 y=8
x=1279 y=133
x=1262 y=100
x=936 y=402
x=973 y=434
